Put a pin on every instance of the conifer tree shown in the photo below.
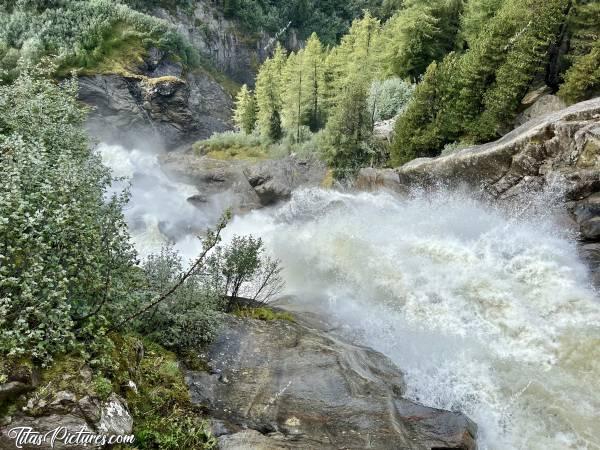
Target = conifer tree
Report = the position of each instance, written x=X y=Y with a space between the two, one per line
x=244 y=115
x=268 y=95
x=422 y=32
x=582 y=79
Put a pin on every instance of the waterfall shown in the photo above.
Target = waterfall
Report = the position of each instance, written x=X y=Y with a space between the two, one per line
x=159 y=212
x=488 y=311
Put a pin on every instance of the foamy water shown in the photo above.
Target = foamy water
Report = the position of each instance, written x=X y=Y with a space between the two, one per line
x=159 y=212
x=488 y=312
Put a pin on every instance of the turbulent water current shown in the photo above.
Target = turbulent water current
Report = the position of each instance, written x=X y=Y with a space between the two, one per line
x=487 y=311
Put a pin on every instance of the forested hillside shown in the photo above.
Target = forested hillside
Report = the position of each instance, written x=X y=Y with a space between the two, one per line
x=471 y=61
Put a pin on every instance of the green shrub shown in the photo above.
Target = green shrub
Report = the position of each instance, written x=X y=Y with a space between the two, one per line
x=67 y=255
x=103 y=387
x=388 y=98
x=263 y=313
x=233 y=145
x=190 y=317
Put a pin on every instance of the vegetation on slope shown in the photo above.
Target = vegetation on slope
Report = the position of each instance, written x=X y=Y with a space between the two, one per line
x=72 y=291
x=473 y=61
x=94 y=35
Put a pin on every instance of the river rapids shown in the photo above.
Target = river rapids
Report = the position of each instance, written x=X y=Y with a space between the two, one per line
x=488 y=311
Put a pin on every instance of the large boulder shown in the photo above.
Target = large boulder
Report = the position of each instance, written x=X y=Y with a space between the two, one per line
x=285 y=385
x=65 y=413
x=245 y=185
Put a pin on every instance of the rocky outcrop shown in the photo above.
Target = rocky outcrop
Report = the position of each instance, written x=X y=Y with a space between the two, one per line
x=283 y=385
x=545 y=104
x=557 y=149
x=161 y=103
x=68 y=414
x=248 y=185
x=237 y=53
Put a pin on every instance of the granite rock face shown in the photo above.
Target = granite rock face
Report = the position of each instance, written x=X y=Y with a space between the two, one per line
x=284 y=385
x=172 y=109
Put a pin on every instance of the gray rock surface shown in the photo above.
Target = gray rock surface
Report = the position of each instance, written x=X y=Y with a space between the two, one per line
x=236 y=52
x=110 y=417
x=285 y=385
x=545 y=104
x=172 y=108
x=248 y=185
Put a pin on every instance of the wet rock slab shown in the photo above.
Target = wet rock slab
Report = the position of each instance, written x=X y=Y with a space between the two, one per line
x=283 y=385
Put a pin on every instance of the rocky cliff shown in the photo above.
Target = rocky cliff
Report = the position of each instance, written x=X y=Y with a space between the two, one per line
x=163 y=101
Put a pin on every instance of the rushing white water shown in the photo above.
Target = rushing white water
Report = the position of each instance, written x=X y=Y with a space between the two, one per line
x=488 y=312
x=158 y=212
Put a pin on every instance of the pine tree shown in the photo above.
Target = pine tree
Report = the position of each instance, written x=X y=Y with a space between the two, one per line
x=422 y=32
x=347 y=129
x=582 y=79
x=292 y=96
x=314 y=69
x=244 y=115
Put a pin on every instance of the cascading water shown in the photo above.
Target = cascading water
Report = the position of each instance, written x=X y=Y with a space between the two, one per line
x=487 y=311
x=159 y=211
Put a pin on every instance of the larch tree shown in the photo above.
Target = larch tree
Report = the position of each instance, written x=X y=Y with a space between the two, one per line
x=268 y=95
x=244 y=115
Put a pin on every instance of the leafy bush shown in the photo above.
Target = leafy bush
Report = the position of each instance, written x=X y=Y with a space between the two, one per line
x=389 y=97
x=189 y=317
x=244 y=270
x=233 y=145
x=65 y=252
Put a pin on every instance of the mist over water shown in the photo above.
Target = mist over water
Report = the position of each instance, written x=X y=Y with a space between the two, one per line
x=487 y=311
x=159 y=212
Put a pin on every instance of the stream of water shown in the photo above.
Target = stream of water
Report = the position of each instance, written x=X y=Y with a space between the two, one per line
x=487 y=311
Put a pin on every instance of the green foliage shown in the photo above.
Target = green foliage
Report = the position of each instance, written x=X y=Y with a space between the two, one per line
x=476 y=15
x=268 y=95
x=102 y=386
x=190 y=317
x=330 y=18
x=84 y=34
x=244 y=115
x=164 y=417
x=388 y=98
x=347 y=130
x=230 y=145
x=242 y=270
x=582 y=80
x=303 y=89
x=65 y=252
x=422 y=32
x=474 y=96
x=263 y=313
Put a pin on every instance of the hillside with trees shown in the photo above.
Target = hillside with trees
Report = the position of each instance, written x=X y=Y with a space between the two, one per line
x=461 y=70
